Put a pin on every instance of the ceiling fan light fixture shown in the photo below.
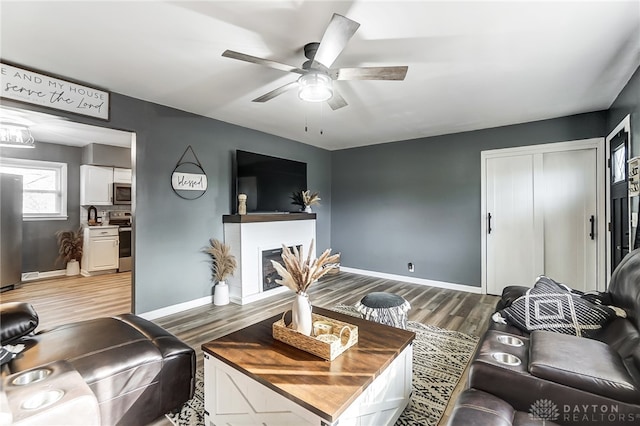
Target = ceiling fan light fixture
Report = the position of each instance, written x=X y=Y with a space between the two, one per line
x=315 y=87
x=16 y=136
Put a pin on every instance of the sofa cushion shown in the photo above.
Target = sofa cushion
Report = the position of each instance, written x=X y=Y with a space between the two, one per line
x=17 y=319
x=583 y=364
x=477 y=408
x=551 y=306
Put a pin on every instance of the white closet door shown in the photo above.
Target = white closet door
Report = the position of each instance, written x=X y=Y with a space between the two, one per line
x=511 y=242
x=567 y=199
x=539 y=209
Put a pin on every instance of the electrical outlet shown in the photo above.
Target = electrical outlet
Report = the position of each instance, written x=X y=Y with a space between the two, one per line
x=411 y=267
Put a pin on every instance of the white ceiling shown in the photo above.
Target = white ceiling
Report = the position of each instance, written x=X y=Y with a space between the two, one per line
x=54 y=129
x=471 y=64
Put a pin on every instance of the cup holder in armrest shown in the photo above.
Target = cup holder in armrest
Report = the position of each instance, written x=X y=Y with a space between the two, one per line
x=510 y=340
x=506 y=359
x=42 y=399
x=32 y=376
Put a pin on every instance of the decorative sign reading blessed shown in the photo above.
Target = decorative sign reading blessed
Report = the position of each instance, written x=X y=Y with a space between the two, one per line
x=189 y=181
x=39 y=89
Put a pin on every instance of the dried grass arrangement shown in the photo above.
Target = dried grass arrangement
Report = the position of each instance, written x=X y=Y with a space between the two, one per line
x=305 y=198
x=299 y=273
x=69 y=245
x=223 y=263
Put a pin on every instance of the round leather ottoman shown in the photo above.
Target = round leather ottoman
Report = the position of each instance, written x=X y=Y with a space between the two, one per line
x=384 y=308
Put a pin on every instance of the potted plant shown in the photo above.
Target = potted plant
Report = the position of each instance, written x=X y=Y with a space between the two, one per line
x=305 y=199
x=223 y=264
x=70 y=250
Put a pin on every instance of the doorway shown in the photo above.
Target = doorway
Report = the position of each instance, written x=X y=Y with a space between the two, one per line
x=540 y=210
x=63 y=140
x=617 y=185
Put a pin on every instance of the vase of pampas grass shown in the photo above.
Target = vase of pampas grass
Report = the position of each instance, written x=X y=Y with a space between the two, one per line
x=297 y=274
x=223 y=264
x=305 y=199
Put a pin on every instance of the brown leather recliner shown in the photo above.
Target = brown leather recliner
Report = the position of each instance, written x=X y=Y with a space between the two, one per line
x=587 y=380
x=137 y=370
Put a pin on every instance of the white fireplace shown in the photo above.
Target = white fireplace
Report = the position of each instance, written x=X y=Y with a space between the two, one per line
x=250 y=236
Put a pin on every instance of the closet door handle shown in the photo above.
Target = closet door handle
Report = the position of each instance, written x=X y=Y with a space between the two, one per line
x=592 y=234
x=488 y=223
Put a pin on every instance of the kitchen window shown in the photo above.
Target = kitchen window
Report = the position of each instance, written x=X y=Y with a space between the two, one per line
x=44 y=186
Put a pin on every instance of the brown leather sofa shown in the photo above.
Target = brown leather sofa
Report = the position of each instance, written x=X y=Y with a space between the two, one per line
x=594 y=380
x=137 y=370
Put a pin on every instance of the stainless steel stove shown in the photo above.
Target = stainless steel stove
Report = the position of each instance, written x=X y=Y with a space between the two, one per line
x=122 y=218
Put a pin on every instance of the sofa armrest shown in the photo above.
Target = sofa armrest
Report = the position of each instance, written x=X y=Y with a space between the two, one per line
x=17 y=319
x=581 y=363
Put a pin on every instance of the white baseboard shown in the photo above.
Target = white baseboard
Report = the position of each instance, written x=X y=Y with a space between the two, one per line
x=36 y=275
x=413 y=280
x=174 y=309
x=259 y=296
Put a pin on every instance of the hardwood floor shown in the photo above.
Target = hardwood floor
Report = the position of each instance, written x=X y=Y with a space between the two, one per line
x=70 y=299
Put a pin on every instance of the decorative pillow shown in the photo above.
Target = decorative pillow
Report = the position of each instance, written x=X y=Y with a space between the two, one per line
x=552 y=306
x=17 y=319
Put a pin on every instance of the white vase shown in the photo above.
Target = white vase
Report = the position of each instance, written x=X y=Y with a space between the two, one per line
x=307 y=209
x=73 y=268
x=221 y=294
x=301 y=319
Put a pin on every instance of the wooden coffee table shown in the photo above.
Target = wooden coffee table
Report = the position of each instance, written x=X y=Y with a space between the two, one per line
x=250 y=378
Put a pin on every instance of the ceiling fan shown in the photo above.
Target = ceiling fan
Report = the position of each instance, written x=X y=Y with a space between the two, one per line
x=315 y=83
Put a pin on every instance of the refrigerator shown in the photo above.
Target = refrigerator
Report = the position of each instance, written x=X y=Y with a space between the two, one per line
x=10 y=231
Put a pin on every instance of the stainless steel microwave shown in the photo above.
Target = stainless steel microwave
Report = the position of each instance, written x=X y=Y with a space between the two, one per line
x=121 y=193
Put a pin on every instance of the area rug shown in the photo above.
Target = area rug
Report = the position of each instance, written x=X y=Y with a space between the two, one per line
x=439 y=359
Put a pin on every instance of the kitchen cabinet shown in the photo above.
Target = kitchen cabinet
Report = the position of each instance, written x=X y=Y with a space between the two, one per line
x=121 y=175
x=100 y=250
x=96 y=185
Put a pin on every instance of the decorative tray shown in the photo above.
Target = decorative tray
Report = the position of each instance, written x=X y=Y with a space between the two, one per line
x=337 y=337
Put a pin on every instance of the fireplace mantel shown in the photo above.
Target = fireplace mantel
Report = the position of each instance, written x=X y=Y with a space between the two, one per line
x=249 y=235
x=266 y=217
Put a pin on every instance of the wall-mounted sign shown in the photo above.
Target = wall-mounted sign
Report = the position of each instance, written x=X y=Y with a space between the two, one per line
x=188 y=179
x=23 y=85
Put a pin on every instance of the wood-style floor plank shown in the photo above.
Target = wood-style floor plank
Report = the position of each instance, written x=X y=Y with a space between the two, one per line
x=67 y=299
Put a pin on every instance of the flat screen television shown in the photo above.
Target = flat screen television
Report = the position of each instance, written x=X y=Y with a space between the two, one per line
x=267 y=181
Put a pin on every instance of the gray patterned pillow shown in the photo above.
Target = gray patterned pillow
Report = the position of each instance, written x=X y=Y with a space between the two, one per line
x=552 y=306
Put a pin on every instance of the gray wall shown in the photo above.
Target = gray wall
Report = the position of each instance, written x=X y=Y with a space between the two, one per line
x=628 y=102
x=170 y=232
x=39 y=244
x=419 y=200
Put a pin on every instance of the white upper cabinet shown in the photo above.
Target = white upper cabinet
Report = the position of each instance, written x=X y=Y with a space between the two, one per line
x=96 y=185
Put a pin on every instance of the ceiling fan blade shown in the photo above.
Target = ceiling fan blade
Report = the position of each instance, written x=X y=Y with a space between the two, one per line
x=336 y=101
x=335 y=39
x=260 y=61
x=280 y=90
x=369 y=73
